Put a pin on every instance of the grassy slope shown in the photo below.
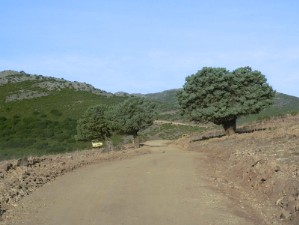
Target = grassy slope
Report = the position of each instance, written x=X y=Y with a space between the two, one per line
x=168 y=105
x=283 y=105
x=70 y=103
x=167 y=97
x=46 y=124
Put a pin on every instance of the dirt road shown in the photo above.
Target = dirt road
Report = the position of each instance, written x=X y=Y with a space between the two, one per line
x=166 y=187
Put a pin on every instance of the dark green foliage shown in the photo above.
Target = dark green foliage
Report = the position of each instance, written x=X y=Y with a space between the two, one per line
x=94 y=124
x=2 y=119
x=50 y=121
x=23 y=136
x=133 y=115
x=219 y=96
x=55 y=112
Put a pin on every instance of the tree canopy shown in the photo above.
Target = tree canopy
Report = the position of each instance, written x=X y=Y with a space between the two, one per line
x=133 y=115
x=94 y=124
x=220 y=96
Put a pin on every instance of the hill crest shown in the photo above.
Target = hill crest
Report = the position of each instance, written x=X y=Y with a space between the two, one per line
x=31 y=86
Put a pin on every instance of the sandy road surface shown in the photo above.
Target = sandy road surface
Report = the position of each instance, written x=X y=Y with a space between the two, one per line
x=162 y=188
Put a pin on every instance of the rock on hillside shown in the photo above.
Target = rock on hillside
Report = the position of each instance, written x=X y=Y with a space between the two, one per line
x=38 y=85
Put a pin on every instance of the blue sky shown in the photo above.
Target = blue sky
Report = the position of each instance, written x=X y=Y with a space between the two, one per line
x=150 y=46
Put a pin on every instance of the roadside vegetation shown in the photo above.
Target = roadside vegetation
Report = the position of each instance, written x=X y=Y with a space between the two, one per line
x=40 y=115
x=36 y=135
x=126 y=118
x=94 y=125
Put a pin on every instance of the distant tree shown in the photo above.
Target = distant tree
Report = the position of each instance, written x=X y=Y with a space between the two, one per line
x=133 y=115
x=219 y=96
x=94 y=124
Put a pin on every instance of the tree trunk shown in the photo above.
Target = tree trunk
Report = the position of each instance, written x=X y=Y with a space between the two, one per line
x=230 y=127
x=136 y=141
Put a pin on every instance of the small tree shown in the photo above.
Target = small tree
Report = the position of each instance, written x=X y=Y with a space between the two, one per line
x=94 y=124
x=219 y=96
x=133 y=115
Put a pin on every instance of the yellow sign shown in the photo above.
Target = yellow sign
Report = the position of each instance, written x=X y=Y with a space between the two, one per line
x=97 y=144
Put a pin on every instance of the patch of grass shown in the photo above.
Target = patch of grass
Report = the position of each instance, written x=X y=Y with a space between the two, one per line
x=169 y=131
x=117 y=139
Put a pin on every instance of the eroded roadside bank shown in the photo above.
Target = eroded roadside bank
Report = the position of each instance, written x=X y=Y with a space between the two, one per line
x=258 y=167
x=19 y=178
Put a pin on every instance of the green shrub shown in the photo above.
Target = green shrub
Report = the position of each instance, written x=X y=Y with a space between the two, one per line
x=56 y=148
x=55 y=112
x=43 y=116
x=35 y=113
x=2 y=119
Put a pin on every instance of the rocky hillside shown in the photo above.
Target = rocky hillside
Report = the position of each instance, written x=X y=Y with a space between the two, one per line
x=39 y=86
x=38 y=114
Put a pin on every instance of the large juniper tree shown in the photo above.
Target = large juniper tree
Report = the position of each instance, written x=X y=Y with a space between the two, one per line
x=133 y=115
x=220 y=96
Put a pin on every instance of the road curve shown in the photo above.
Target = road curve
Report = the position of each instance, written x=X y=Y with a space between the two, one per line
x=162 y=188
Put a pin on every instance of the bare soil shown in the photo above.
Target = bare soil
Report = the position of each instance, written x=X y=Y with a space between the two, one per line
x=259 y=166
x=20 y=178
x=167 y=186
